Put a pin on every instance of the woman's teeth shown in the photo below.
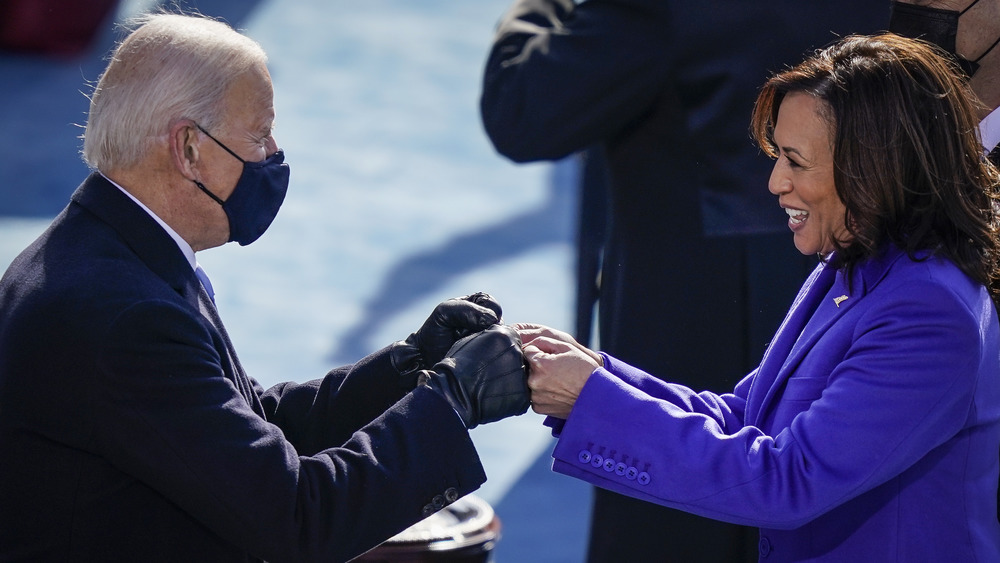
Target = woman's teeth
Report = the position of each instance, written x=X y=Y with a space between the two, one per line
x=797 y=215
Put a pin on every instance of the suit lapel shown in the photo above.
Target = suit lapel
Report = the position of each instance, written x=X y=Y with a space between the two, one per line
x=837 y=301
x=160 y=253
x=821 y=304
x=140 y=231
x=240 y=379
x=761 y=390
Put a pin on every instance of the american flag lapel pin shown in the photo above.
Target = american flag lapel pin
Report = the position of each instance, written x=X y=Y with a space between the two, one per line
x=839 y=300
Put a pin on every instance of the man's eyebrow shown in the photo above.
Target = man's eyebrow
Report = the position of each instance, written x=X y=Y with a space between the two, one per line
x=265 y=127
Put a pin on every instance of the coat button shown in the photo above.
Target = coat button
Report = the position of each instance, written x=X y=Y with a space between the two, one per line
x=428 y=510
x=631 y=473
x=584 y=456
x=450 y=495
x=609 y=465
x=597 y=461
x=764 y=547
x=620 y=469
x=643 y=478
x=437 y=502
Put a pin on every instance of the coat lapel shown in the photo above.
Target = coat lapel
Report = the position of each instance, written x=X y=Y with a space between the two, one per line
x=824 y=299
x=160 y=253
x=240 y=379
x=140 y=231
x=815 y=287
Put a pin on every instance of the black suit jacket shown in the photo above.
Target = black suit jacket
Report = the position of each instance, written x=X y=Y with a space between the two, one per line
x=129 y=431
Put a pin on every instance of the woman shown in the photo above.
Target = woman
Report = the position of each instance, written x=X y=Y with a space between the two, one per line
x=871 y=429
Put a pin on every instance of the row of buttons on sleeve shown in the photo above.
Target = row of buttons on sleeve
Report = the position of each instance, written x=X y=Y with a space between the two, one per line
x=440 y=501
x=617 y=467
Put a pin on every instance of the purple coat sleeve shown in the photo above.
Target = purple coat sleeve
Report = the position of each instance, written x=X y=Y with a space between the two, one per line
x=865 y=393
x=726 y=410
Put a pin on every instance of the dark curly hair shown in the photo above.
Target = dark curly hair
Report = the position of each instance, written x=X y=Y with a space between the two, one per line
x=908 y=163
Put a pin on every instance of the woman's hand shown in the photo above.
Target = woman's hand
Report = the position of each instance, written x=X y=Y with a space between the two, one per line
x=529 y=332
x=558 y=368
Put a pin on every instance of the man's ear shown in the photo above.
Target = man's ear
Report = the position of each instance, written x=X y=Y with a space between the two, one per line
x=184 y=151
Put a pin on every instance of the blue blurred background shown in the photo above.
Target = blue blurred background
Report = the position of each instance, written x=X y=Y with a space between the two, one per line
x=397 y=201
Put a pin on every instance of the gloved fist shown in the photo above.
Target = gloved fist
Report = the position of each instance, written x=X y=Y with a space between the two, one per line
x=483 y=377
x=451 y=320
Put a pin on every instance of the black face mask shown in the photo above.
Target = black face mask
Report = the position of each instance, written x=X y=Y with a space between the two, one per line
x=258 y=194
x=936 y=26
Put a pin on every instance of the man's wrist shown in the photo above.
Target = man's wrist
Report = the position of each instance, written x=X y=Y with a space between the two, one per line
x=406 y=358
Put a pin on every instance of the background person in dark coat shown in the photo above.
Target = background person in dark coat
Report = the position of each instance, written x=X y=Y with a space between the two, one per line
x=695 y=255
x=129 y=430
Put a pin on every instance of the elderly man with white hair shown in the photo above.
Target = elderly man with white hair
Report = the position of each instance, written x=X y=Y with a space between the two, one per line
x=129 y=429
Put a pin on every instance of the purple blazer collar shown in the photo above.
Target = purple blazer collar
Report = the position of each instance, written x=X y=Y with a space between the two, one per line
x=823 y=299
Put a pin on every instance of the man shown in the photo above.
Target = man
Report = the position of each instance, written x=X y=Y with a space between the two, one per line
x=697 y=253
x=130 y=431
x=969 y=31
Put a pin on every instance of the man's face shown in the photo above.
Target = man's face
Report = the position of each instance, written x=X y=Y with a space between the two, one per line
x=246 y=129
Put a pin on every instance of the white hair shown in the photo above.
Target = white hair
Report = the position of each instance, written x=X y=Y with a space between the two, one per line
x=171 y=67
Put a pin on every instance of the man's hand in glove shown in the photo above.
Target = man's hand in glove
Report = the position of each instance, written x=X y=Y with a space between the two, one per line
x=483 y=376
x=450 y=321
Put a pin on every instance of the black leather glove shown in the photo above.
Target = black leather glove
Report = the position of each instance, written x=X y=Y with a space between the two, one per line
x=451 y=320
x=483 y=376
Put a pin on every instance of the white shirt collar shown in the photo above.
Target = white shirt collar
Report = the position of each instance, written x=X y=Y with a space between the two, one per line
x=989 y=130
x=181 y=243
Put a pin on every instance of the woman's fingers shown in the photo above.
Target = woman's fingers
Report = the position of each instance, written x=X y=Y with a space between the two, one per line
x=547 y=345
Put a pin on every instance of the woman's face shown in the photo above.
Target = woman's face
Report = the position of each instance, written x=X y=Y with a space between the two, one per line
x=803 y=175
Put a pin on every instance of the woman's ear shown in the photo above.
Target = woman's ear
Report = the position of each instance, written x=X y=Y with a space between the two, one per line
x=184 y=151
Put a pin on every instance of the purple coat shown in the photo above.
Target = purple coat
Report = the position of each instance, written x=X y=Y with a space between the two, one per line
x=869 y=432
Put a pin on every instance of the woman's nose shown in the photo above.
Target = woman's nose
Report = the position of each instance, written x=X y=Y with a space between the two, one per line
x=778 y=183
